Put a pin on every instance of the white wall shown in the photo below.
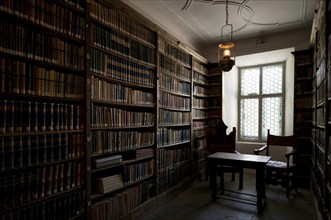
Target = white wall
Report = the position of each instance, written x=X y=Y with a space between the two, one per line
x=230 y=92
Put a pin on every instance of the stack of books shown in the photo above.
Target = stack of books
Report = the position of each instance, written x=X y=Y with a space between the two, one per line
x=107 y=161
x=110 y=183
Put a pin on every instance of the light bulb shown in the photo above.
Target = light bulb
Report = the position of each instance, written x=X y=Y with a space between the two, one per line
x=226 y=54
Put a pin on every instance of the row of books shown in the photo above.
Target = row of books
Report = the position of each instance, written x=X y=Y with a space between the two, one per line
x=114 y=19
x=25 y=116
x=123 y=46
x=200 y=78
x=303 y=102
x=106 y=91
x=166 y=136
x=39 y=183
x=216 y=90
x=198 y=154
x=318 y=135
x=114 y=141
x=303 y=59
x=107 y=161
x=303 y=87
x=303 y=116
x=171 y=177
x=174 y=52
x=110 y=183
x=168 y=100
x=143 y=153
x=106 y=117
x=200 y=124
x=199 y=133
x=24 y=151
x=173 y=84
x=19 y=40
x=199 y=90
x=65 y=206
x=304 y=73
x=170 y=158
x=196 y=113
x=123 y=202
x=23 y=78
x=167 y=117
x=136 y=172
x=122 y=69
x=169 y=65
x=200 y=143
x=320 y=93
x=199 y=69
x=320 y=116
x=320 y=74
x=200 y=103
x=47 y=14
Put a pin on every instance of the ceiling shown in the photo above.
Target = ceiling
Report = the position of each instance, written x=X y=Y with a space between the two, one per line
x=198 y=23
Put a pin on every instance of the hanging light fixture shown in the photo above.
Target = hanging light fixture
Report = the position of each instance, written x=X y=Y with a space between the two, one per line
x=226 y=49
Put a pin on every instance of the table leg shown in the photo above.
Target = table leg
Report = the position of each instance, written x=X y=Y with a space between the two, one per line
x=260 y=187
x=213 y=179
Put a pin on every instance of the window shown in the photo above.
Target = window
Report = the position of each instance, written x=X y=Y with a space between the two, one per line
x=261 y=101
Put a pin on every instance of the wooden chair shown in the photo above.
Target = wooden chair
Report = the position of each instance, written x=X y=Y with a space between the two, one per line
x=219 y=141
x=279 y=172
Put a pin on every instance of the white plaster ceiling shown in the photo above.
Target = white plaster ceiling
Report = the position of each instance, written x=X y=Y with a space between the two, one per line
x=198 y=23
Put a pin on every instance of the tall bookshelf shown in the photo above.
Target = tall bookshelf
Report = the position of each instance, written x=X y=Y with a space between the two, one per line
x=96 y=111
x=42 y=122
x=214 y=101
x=200 y=114
x=123 y=103
x=303 y=114
x=321 y=178
x=174 y=115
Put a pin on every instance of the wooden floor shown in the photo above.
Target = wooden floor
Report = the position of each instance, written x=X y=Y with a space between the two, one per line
x=196 y=204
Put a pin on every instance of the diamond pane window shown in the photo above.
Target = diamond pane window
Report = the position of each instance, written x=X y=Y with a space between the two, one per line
x=272 y=79
x=248 y=117
x=261 y=101
x=271 y=116
x=250 y=81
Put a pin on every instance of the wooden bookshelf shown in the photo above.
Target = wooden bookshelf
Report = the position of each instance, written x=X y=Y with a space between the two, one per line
x=123 y=104
x=42 y=141
x=303 y=113
x=214 y=101
x=96 y=110
x=320 y=181
x=174 y=115
x=200 y=113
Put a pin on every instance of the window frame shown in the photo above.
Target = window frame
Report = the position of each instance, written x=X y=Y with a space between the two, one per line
x=260 y=98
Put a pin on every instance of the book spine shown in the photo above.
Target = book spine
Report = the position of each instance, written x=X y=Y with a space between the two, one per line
x=3 y=116
x=10 y=116
x=26 y=117
x=9 y=152
x=18 y=152
x=26 y=151
x=2 y=157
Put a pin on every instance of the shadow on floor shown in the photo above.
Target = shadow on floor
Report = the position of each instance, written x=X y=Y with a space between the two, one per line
x=196 y=204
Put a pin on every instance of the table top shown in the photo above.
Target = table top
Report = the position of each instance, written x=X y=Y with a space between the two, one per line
x=240 y=157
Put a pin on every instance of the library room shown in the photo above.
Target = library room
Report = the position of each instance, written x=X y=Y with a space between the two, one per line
x=165 y=110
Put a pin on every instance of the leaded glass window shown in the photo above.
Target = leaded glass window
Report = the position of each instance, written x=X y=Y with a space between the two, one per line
x=261 y=98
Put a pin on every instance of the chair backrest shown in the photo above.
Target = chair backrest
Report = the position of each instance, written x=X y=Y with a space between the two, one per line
x=281 y=141
x=223 y=142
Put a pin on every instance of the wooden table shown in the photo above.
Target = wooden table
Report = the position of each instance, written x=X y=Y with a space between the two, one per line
x=257 y=162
